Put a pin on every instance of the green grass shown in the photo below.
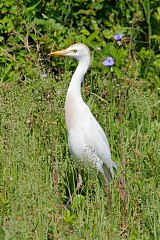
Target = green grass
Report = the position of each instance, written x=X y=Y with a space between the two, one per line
x=33 y=136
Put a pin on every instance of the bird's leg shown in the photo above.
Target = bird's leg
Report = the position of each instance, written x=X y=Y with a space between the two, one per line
x=79 y=181
x=107 y=191
x=79 y=185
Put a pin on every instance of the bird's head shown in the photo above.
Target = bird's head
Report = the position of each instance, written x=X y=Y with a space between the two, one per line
x=77 y=51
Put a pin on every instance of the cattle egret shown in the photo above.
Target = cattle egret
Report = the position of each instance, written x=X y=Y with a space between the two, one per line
x=87 y=140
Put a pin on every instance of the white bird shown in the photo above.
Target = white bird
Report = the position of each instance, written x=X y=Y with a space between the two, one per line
x=87 y=140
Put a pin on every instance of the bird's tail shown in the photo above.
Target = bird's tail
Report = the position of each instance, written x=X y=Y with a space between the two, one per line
x=109 y=173
x=114 y=165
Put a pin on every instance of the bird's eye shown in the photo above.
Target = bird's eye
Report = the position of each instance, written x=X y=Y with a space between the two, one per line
x=74 y=50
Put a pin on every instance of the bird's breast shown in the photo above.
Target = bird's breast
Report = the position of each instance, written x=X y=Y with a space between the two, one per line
x=69 y=111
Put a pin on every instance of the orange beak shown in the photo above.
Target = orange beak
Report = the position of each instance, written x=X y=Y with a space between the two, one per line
x=60 y=53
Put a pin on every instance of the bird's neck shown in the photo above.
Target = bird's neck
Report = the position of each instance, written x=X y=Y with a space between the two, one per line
x=78 y=76
x=74 y=101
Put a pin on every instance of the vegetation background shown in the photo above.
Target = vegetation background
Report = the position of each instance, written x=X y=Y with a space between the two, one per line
x=36 y=172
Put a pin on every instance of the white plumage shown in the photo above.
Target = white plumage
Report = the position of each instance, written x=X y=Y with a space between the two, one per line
x=87 y=140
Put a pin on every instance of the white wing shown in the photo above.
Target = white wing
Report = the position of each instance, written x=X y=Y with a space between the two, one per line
x=88 y=133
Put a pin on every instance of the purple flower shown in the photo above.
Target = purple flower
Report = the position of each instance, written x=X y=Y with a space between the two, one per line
x=108 y=62
x=118 y=37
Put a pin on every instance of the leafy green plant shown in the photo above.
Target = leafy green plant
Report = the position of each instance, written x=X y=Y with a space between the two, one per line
x=30 y=30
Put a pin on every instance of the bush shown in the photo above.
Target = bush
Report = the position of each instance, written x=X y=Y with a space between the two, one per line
x=30 y=29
